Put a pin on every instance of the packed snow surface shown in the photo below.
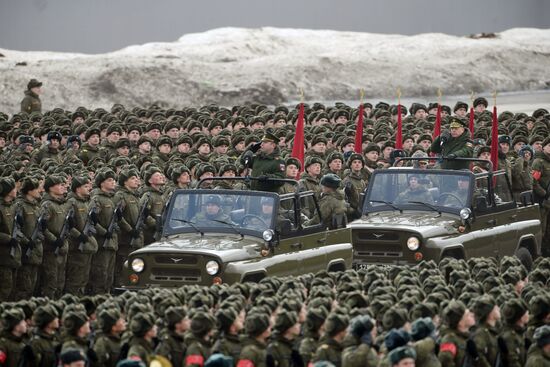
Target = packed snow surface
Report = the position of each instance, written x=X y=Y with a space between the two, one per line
x=230 y=66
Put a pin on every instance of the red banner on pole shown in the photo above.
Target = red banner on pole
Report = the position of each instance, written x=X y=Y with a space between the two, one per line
x=298 y=147
x=399 y=135
x=472 y=115
x=494 y=140
x=437 y=127
x=359 y=131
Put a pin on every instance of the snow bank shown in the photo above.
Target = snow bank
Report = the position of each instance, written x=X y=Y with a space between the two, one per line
x=269 y=65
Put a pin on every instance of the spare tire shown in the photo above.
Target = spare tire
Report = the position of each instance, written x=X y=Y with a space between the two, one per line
x=525 y=257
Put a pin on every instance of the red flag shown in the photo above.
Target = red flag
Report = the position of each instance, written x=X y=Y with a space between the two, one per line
x=399 y=135
x=494 y=140
x=472 y=122
x=298 y=147
x=359 y=131
x=437 y=127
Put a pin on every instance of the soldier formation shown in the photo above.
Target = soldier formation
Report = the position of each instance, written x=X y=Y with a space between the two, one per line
x=81 y=190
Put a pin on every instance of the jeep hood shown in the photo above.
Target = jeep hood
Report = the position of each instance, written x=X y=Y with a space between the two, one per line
x=428 y=224
x=227 y=247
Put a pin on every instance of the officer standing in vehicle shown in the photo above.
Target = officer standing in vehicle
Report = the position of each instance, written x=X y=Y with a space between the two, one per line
x=265 y=164
x=455 y=143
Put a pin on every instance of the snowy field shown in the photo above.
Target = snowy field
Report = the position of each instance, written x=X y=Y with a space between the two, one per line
x=231 y=65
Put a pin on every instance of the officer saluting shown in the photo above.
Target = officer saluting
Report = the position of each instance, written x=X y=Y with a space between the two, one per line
x=455 y=143
x=265 y=164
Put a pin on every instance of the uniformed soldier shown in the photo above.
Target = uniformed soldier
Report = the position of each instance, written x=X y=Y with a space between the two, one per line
x=330 y=348
x=199 y=342
x=402 y=357
x=459 y=320
x=82 y=246
x=75 y=331
x=455 y=143
x=362 y=354
x=44 y=341
x=258 y=330
x=281 y=350
x=511 y=340
x=315 y=320
x=31 y=103
x=541 y=185
x=265 y=164
x=31 y=246
x=521 y=172
x=10 y=250
x=50 y=150
x=58 y=220
x=14 y=327
x=108 y=342
x=143 y=331
x=130 y=236
x=107 y=228
x=424 y=337
x=332 y=204
x=212 y=212
x=309 y=181
x=539 y=354
x=231 y=323
x=172 y=344
x=153 y=198
x=90 y=149
x=353 y=183
x=487 y=314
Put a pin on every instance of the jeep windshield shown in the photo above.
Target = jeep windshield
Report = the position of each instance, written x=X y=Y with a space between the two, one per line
x=427 y=190
x=220 y=211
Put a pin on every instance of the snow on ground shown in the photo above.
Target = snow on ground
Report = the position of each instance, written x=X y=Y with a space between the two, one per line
x=232 y=65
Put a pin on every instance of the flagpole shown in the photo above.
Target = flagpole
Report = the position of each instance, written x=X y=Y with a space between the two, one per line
x=399 y=135
x=359 y=130
x=472 y=114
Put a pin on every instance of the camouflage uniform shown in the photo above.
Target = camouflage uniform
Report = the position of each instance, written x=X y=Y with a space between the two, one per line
x=329 y=350
x=139 y=347
x=452 y=350
x=253 y=351
x=88 y=153
x=425 y=353
x=46 y=152
x=358 y=356
x=52 y=274
x=537 y=358
x=131 y=204
x=107 y=349
x=358 y=186
x=485 y=339
x=27 y=274
x=81 y=251
x=461 y=147
x=43 y=346
x=308 y=347
x=515 y=353
x=31 y=102
x=229 y=345
x=172 y=347
x=154 y=208
x=331 y=204
x=281 y=352
x=103 y=261
x=8 y=264
x=12 y=346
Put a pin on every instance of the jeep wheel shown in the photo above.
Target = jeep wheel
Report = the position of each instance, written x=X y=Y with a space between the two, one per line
x=525 y=257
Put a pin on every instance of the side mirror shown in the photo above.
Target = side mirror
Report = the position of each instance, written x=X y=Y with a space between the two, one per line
x=481 y=203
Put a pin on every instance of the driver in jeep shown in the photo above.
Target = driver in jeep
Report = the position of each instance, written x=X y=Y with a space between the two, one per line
x=415 y=192
x=458 y=197
x=212 y=212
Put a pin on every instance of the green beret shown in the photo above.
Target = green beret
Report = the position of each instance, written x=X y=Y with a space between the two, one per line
x=398 y=354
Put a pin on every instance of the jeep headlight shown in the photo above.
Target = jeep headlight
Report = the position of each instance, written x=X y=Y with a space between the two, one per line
x=267 y=235
x=138 y=265
x=212 y=267
x=413 y=243
x=465 y=213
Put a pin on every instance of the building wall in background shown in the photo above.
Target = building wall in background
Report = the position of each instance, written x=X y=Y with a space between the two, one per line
x=97 y=26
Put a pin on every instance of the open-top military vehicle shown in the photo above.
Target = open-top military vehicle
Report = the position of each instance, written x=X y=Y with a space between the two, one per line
x=411 y=215
x=226 y=236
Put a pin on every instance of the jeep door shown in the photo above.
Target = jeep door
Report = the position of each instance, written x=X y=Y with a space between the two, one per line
x=483 y=231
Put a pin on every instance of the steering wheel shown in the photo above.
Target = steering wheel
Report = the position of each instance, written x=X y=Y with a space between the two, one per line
x=445 y=194
x=245 y=222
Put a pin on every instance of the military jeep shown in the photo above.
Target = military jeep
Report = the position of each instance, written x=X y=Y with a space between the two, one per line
x=455 y=214
x=253 y=234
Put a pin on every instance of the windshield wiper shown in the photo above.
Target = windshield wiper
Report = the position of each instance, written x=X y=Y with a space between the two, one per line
x=395 y=207
x=234 y=227
x=192 y=224
x=433 y=207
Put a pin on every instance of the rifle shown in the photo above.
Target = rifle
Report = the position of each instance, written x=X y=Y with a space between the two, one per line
x=67 y=225
x=143 y=213
x=113 y=224
x=37 y=232
x=16 y=231
x=89 y=225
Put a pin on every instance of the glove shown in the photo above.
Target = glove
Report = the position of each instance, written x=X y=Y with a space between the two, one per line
x=13 y=242
x=451 y=156
x=134 y=233
x=263 y=178
x=82 y=238
x=445 y=136
x=255 y=147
